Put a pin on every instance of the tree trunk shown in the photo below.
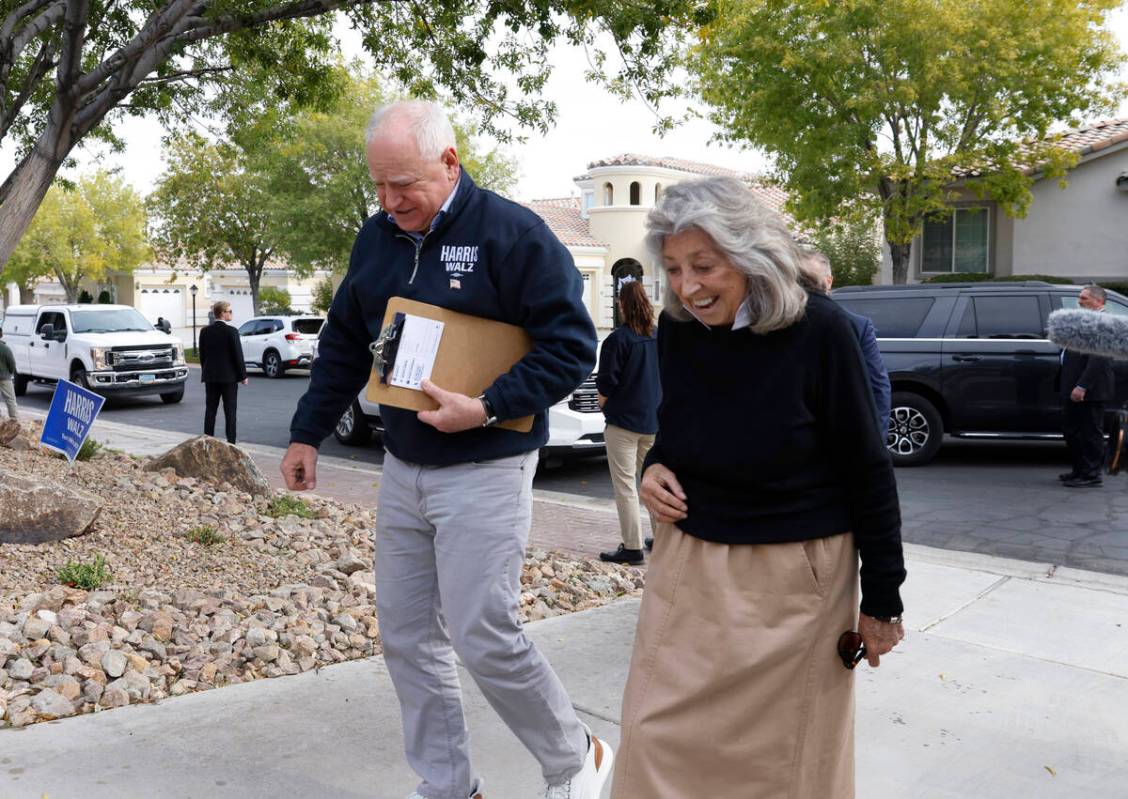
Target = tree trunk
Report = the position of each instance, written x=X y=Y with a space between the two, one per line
x=27 y=186
x=899 y=254
x=254 y=276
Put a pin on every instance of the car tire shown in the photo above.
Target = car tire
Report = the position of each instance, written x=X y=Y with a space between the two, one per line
x=915 y=431
x=272 y=364
x=19 y=384
x=173 y=397
x=78 y=377
x=352 y=428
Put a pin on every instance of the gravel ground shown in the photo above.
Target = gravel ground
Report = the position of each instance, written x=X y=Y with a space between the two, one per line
x=275 y=596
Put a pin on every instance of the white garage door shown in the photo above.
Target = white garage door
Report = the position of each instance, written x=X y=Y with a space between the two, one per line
x=242 y=306
x=166 y=302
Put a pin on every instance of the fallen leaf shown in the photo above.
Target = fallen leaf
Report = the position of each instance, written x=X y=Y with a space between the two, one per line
x=1051 y=770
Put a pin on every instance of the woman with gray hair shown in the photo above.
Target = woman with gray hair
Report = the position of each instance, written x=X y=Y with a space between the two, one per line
x=767 y=479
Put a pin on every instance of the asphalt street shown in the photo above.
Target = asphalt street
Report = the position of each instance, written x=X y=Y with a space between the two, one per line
x=992 y=498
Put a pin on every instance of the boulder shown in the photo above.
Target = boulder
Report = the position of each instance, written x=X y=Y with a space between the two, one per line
x=34 y=510
x=214 y=461
x=9 y=429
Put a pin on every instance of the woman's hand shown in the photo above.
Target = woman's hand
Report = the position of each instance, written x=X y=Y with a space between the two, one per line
x=879 y=637
x=662 y=494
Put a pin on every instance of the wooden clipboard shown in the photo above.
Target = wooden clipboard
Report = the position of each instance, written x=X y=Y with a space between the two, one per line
x=472 y=354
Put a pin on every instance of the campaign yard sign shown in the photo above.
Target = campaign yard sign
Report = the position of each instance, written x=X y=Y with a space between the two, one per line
x=72 y=413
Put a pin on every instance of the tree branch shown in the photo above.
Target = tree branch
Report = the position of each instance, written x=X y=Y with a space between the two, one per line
x=13 y=45
x=12 y=21
x=185 y=75
x=43 y=64
x=207 y=28
x=74 y=38
x=159 y=25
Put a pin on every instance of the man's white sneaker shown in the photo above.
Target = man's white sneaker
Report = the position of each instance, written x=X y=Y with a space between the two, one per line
x=589 y=780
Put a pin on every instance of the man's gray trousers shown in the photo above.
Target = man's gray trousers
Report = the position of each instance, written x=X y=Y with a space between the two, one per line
x=450 y=543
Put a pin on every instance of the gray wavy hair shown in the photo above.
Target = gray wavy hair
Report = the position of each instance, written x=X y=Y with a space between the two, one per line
x=752 y=237
x=427 y=120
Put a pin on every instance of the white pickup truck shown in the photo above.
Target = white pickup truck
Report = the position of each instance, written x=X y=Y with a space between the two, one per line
x=110 y=349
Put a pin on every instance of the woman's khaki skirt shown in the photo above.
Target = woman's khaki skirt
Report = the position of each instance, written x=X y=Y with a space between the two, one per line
x=736 y=690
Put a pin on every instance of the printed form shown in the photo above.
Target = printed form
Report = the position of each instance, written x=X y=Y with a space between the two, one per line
x=415 y=356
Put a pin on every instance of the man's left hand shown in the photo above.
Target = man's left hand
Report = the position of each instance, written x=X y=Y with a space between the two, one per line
x=1078 y=394
x=456 y=412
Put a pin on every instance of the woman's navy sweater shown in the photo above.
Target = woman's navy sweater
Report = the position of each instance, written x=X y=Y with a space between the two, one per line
x=773 y=439
x=628 y=376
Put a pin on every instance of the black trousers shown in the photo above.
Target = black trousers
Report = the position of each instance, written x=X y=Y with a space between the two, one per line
x=1082 y=427
x=213 y=393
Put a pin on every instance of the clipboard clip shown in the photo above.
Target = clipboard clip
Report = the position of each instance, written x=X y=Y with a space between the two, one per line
x=384 y=348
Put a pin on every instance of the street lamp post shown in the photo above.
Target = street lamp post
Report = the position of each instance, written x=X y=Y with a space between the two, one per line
x=192 y=290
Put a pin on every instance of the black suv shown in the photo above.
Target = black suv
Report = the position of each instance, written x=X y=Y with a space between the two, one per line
x=970 y=359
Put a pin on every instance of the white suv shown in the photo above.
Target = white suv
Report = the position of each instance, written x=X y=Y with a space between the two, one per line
x=277 y=343
x=575 y=424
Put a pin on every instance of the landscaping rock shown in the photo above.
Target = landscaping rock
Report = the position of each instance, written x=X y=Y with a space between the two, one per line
x=214 y=461
x=34 y=510
x=50 y=705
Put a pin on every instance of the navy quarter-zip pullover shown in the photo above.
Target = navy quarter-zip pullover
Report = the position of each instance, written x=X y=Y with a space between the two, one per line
x=486 y=256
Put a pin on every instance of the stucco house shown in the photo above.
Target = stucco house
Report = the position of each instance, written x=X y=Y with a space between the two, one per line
x=1079 y=232
x=603 y=228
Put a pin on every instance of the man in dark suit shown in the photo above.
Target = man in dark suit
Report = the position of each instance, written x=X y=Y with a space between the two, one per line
x=819 y=277
x=222 y=369
x=1087 y=384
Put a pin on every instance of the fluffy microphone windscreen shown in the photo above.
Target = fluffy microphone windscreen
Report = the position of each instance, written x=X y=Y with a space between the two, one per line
x=1093 y=332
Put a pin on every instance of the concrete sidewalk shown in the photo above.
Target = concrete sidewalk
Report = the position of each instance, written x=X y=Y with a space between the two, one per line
x=1012 y=682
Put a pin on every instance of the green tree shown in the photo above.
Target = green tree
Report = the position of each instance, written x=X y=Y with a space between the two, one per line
x=884 y=102
x=853 y=248
x=210 y=211
x=70 y=68
x=318 y=183
x=83 y=232
x=274 y=300
x=322 y=296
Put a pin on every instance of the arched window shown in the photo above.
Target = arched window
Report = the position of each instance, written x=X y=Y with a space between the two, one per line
x=636 y=191
x=657 y=192
x=608 y=194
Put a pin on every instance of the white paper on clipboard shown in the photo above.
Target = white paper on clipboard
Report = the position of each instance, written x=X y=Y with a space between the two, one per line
x=415 y=356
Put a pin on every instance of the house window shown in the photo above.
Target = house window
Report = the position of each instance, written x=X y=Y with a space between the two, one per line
x=608 y=194
x=657 y=192
x=636 y=193
x=589 y=200
x=958 y=242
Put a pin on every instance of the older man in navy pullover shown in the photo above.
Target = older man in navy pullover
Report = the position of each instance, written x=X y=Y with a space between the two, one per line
x=455 y=499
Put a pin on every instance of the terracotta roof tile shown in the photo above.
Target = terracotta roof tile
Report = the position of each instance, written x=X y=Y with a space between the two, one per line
x=677 y=164
x=1082 y=141
x=562 y=215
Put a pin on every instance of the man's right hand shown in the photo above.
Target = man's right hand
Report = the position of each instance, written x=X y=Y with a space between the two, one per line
x=299 y=467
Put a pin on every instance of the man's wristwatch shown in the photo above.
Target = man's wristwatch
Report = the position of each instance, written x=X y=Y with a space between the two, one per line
x=888 y=619
x=491 y=414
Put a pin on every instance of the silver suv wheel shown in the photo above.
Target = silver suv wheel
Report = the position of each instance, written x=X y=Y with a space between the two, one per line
x=908 y=431
x=915 y=430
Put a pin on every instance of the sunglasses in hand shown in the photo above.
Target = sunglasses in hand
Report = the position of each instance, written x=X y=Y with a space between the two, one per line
x=851 y=649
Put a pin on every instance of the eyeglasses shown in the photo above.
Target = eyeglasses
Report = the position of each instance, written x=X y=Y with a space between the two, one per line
x=851 y=649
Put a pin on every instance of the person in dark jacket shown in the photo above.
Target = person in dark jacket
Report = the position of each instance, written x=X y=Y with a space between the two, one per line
x=1087 y=383
x=818 y=276
x=627 y=380
x=768 y=479
x=455 y=499
x=222 y=369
